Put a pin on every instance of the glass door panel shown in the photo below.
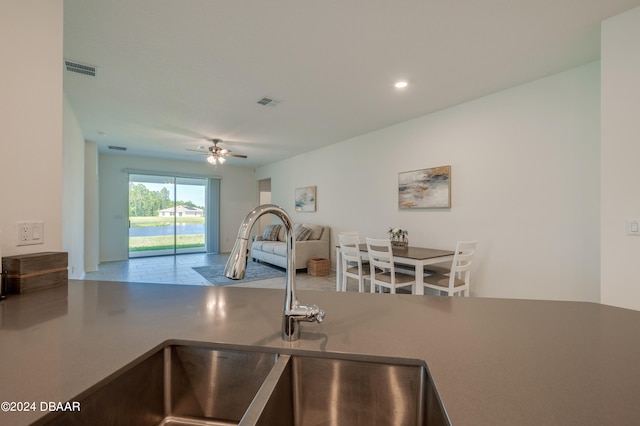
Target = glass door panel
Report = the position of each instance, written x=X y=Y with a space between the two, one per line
x=190 y=215
x=151 y=222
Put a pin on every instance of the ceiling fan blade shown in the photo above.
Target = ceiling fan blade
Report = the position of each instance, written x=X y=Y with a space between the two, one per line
x=234 y=155
x=197 y=150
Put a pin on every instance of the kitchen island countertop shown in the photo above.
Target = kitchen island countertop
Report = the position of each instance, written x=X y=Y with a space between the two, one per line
x=493 y=361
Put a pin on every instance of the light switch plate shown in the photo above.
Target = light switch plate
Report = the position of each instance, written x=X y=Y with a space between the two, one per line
x=633 y=227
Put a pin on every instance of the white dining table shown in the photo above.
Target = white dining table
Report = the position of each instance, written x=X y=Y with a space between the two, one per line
x=418 y=257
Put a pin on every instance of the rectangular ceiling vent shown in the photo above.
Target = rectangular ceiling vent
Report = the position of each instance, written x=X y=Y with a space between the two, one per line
x=117 y=148
x=80 y=68
x=267 y=101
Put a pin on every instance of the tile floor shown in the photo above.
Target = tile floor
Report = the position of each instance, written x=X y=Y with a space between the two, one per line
x=178 y=270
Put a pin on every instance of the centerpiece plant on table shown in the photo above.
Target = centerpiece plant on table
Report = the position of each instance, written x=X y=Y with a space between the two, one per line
x=398 y=237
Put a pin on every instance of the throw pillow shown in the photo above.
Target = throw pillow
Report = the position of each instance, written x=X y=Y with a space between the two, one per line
x=316 y=231
x=302 y=233
x=271 y=232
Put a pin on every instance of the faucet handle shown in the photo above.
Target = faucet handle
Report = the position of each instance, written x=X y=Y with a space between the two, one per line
x=308 y=313
x=314 y=313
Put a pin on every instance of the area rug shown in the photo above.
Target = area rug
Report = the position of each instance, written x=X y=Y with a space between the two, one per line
x=254 y=272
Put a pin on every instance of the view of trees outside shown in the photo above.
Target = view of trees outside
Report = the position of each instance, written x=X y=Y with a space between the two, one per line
x=158 y=225
x=145 y=202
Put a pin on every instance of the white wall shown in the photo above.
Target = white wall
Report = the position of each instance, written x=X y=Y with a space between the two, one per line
x=31 y=121
x=525 y=183
x=91 y=206
x=620 y=154
x=264 y=197
x=238 y=195
x=73 y=191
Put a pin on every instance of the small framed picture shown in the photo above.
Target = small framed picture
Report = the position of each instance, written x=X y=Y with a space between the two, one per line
x=306 y=199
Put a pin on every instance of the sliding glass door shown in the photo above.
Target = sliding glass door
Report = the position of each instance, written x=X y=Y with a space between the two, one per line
x=190 y=215
x=167 y=215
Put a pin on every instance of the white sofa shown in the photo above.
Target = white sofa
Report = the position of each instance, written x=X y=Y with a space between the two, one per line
x=275 y=252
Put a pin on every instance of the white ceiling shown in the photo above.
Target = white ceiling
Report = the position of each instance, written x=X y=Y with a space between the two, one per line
x=171 y=73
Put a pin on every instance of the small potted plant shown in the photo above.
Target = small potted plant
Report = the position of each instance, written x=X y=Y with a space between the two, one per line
x=398 y=237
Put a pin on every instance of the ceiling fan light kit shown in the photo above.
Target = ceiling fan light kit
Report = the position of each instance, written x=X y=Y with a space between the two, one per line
x=215 y=160
x=216 y=154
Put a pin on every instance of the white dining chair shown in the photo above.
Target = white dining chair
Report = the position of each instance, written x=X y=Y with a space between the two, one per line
x=457 y=278
x=352 y=264
x=383 y=271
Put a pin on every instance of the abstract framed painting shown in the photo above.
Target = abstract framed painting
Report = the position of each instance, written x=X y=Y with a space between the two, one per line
x=306 y=199
x=425 y=188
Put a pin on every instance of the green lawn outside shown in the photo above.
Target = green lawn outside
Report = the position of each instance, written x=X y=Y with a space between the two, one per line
x=165 y=242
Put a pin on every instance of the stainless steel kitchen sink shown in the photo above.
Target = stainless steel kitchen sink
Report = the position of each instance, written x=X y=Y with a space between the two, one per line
x=308 y=390
x=183 y=385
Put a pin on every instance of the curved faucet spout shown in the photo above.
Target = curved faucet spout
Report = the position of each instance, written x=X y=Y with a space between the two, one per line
x=294 y=312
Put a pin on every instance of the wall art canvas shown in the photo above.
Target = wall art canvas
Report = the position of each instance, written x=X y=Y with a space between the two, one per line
x=425 y=188
x=306 y=199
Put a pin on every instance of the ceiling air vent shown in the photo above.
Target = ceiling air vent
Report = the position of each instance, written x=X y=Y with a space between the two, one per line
x=117 y=148
x=269 y=102
x=80 y=68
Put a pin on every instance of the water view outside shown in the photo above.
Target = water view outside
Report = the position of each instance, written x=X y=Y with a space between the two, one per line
x=166 y=215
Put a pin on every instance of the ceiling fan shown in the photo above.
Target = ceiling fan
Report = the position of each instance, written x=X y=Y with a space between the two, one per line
x=216 y=154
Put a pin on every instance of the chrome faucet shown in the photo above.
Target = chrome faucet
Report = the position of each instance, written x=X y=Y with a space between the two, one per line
x=294 y=312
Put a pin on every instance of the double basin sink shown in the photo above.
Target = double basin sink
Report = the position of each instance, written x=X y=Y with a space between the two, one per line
x=199 y=384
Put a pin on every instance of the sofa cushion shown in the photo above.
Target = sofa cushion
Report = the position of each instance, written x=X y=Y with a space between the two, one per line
x=267 y=246
x=302 y=233
x=271 y=232
x=280 y=250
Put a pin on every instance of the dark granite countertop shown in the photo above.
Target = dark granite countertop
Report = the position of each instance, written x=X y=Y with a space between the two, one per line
x=493 y=361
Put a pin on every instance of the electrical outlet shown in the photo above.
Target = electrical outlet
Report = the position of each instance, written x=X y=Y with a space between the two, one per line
x=25 y=232
x=29 y=233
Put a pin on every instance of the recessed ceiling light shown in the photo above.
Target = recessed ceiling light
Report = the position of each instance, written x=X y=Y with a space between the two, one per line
x=401 y=84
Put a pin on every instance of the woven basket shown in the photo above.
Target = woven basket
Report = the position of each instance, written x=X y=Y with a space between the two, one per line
x=399 y=244
x=318 y=267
